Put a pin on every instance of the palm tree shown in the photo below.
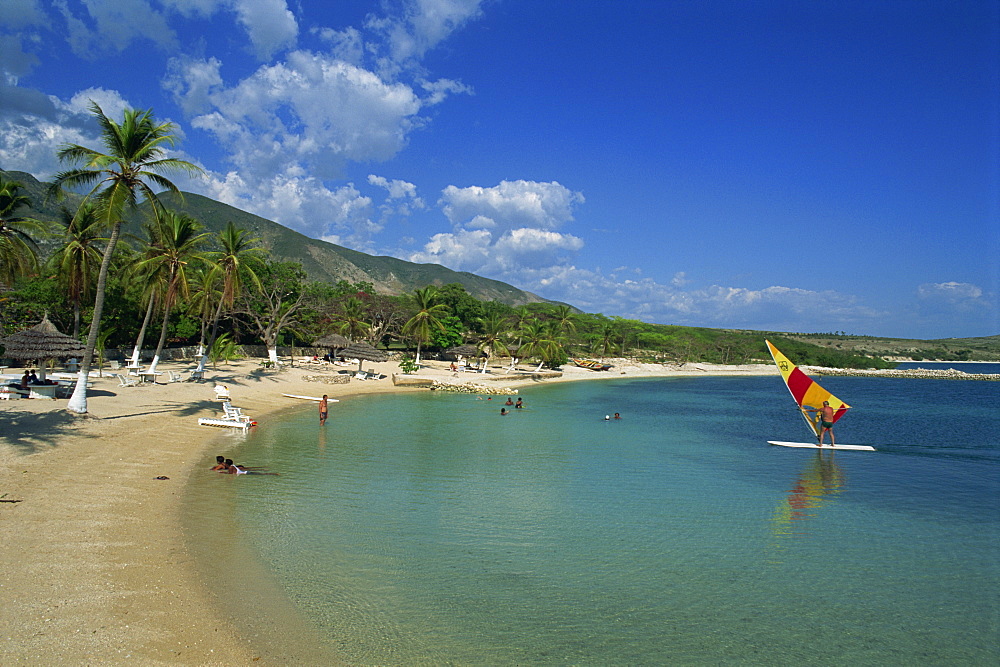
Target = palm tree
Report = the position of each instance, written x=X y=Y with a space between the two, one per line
x=351 y=321
x=119 y=180
x=235 y=263
x=79 y=257
x=605 y=340
x=173 y=247
x=491 y=340
x=420 y=325
x=540 y=340
x=18 y=252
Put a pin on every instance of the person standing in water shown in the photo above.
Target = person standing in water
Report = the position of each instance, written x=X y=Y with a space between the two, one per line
x=324 y=410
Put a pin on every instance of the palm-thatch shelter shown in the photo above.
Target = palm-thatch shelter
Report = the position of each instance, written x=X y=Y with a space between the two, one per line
x=332 y=341
x=363 y=352
x=41 y=343
x=460 y=351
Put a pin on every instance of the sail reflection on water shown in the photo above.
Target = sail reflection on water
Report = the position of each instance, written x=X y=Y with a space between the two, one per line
x=821 y=479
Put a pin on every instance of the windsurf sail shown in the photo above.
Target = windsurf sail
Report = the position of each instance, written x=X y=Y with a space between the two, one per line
x=808 y=395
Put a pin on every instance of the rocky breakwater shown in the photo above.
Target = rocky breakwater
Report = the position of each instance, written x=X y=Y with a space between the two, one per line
x=922 y=373
x=471 y=388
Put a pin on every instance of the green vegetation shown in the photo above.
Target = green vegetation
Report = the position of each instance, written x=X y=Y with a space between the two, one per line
x=220 y=278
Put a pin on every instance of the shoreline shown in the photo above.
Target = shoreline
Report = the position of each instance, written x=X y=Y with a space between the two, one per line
x=96 y=564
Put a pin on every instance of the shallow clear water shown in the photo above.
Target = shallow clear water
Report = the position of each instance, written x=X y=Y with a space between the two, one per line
x=426 y=528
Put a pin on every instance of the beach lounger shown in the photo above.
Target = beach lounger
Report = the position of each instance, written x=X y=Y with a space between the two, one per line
x=233 y=413
x=222 y=392
x=7 y=393
x=114 y=365
x=174 y=377
x=125 y=380
x=361 y=375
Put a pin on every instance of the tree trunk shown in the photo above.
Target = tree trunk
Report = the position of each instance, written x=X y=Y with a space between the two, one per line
x=78 y=401
x=211 y=338
x=163 y=338
x=142 y=331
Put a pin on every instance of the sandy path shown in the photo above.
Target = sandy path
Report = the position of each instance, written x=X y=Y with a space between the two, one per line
x=93 y=564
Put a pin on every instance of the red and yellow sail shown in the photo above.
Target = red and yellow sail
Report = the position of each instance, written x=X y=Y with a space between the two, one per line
x=808 y=395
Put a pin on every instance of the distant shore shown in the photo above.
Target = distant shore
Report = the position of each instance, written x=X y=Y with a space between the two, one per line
x=94 y=564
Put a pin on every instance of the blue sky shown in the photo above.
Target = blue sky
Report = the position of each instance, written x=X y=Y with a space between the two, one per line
x=795 y=166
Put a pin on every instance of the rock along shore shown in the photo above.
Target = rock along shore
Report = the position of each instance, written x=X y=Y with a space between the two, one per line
x=921 y=373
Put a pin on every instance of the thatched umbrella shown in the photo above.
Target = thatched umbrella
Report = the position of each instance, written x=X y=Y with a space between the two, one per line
x=333 y=341
x=363 y=352
x=41 y=343
x=465 y=351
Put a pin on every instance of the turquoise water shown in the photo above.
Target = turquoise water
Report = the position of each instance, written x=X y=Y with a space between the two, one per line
x=425 y=528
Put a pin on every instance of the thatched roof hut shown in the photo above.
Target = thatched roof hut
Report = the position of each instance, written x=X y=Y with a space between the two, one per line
x=363 y=352
x=460 y=351
x=332 y=340
x=41 y=342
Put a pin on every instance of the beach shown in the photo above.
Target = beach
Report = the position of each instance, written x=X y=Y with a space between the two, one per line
x=95 y=568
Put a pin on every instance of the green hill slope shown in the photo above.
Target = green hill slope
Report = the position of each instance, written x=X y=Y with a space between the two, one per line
x=321 y=260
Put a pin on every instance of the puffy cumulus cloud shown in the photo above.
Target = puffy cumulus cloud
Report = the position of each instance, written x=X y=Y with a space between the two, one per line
x=959 y=304
x=949 y=292
x=269 y=24
x=401 y=197
x=512 y=204
x=109 y=26
x=312 y=110
x=422 y=25
x=191 y=81
x=504 y=230
x=302 y=203
x=15 y=62
x=33 y=126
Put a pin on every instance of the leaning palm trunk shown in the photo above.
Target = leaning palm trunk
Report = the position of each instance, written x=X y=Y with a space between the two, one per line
x=163 y=337
x=78 y=401
x=211 y=339
x=142 y=332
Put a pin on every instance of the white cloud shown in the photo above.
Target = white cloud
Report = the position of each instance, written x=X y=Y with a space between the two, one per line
x=300 y=202
x=112 y=25
x=19 y=14
x=951 y=292
x=512 y=204
x=191 y=81
x=269 y=23
x=423 y=25
x=311 y=110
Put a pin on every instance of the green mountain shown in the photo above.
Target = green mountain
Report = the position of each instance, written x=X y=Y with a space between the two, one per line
x=322 y=261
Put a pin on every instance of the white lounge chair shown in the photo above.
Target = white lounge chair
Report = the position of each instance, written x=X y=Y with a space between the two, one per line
x=361 y=375
x=174 y=377
x=222 y=392
x=125 y=380
x=233 y=413
x=114 y=365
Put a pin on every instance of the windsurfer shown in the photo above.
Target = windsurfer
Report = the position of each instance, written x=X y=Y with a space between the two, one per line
x=825 y=423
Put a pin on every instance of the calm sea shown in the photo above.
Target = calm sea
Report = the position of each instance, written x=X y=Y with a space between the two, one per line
x=424 y=528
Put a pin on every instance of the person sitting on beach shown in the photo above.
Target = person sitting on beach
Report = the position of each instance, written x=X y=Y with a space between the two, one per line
x=24 y=380
x=32 y=378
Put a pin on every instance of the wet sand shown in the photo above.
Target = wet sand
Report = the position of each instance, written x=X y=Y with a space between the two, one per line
x=93 y=563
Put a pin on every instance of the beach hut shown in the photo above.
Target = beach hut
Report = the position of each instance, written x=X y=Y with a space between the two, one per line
x=41 y=343
x=333 y=342
x=460 y=352
x=363 y=352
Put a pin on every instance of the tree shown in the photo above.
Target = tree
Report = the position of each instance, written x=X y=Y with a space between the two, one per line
x=120 y=178
x=173 y=246
x=351 y=320
x=18 y=250
x=540 y=341
x=235 y=264
x=427 y=318
x=275 y=302
x=495 y=331
x=78 y=258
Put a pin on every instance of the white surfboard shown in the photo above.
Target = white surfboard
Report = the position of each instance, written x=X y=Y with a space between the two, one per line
x=826 y=445
x=312 y=398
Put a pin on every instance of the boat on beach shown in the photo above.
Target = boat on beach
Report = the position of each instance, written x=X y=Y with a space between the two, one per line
x=592 y=365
